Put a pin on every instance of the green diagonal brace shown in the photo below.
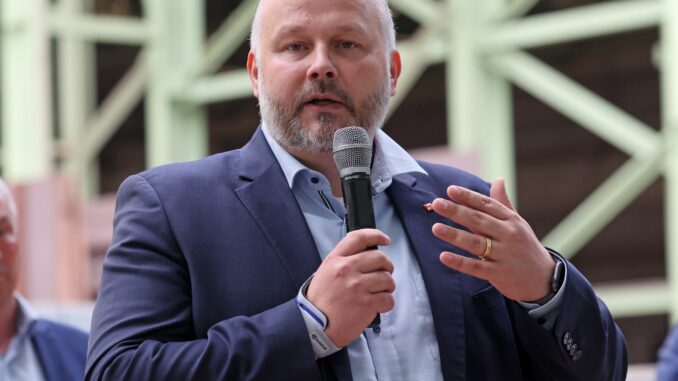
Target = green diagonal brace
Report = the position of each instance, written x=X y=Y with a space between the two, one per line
x=578 y=103
x=574 y=24
x=669 y=78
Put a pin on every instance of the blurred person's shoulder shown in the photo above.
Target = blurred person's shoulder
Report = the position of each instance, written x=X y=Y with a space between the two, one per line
x=52 y=329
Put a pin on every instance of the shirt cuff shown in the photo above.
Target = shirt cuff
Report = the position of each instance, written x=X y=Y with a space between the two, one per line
x=546 y=314
x=316 y=322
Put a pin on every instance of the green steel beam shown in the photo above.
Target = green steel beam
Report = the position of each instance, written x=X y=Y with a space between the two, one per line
x=27 y=125
x=76 y=86
x=574 y=24
x=578 y=103
x=217 y=88
x=464 y=70
x=175 y=131
x=109 y=29
x=422 y=11
x=416 y=57
x=228 y=38
x=669 y=81
x=111 y=114
x=605 y=203
x=479 y=102
x=498 y=147
x=516 y=8
x=439 y=49
x=636 y=298
x=496 y=134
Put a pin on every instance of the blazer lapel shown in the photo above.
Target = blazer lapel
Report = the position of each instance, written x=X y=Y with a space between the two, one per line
x=442 y=283
x=267 y=196
x=272 y=204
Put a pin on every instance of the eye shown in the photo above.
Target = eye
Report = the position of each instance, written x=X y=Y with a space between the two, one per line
x=295 y=47
x=347 y=45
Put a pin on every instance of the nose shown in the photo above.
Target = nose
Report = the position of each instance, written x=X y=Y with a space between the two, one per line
x=322 y=67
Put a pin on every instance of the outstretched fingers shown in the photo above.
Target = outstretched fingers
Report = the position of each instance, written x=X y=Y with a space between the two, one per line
x=470 y=266
x=473 y=243
x=480 y=202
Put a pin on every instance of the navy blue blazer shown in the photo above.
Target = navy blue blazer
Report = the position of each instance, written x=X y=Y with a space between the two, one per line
x=61 y=350
x=207 y=257
x=667 y=363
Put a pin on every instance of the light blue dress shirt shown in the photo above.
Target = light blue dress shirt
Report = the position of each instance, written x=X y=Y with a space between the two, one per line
x=20 y=362
x=406 y=347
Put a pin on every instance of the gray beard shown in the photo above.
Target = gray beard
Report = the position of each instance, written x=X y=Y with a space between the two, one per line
x=284 y=125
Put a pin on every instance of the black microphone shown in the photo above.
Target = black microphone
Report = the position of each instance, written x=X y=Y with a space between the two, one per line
x=352 y=151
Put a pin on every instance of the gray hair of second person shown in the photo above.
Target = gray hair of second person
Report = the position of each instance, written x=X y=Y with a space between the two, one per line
x=6 y=194
x=385 y=18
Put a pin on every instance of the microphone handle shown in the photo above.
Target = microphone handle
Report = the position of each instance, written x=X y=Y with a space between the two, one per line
x=357 y=189
x=374 y=325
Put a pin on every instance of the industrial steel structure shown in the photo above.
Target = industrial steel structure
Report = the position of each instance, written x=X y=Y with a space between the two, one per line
x=482 y=44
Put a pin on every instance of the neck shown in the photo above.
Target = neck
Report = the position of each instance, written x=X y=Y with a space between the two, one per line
x=322 y=162
x=7 y=323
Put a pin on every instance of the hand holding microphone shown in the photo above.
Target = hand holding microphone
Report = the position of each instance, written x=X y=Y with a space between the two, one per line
x=354 y=282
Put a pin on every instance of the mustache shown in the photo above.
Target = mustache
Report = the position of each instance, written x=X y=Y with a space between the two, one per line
x=326 y=87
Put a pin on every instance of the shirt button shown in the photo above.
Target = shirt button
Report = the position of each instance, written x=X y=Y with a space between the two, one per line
x=315 y=180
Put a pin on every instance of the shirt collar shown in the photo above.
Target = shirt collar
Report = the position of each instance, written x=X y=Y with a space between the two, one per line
x=290 y=165
x=25 y=315
x=390 y=160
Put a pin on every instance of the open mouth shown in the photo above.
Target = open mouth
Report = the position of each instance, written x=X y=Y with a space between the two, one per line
x=323 y=102
x=320 y=99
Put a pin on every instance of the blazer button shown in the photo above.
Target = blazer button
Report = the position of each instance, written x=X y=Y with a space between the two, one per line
x=567 y=338
x=577 y=356
x=573 y=349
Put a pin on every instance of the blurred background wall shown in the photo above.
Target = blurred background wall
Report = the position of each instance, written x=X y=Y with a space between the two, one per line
x=575 y=102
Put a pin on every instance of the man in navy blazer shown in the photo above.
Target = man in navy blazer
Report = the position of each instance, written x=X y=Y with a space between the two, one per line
x=235 y=267
x=30 y=348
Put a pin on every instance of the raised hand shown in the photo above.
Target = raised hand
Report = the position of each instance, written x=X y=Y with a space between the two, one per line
x=353 y=284
x=510 y=256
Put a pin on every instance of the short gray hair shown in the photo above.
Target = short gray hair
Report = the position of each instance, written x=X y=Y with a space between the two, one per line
x=11 y=205
x=385 y=18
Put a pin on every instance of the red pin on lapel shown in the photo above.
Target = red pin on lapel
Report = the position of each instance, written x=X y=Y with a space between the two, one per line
x=428 y=207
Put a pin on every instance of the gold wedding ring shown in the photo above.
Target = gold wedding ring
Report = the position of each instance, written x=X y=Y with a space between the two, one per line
x=488 y=248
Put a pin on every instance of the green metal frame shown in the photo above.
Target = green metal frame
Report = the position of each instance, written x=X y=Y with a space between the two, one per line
x=26 y=108
x=481 y=42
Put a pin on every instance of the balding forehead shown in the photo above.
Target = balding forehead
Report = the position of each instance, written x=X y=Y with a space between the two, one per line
x=269 y=10
x=273 y=6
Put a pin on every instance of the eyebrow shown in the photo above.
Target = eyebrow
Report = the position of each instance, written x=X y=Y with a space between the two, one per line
x=288 y=29
x=353 y=28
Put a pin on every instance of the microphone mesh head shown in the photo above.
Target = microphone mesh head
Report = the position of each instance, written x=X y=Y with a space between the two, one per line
x=352 y=150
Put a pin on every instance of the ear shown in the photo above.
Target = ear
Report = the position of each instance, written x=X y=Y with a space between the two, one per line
x=395 y=68
x=253 y=71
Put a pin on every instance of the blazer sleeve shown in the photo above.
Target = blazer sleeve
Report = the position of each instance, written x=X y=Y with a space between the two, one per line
x=584 y=344
x=142 y=323
x=667 y=364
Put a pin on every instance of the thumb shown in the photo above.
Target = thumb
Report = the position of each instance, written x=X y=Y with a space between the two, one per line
x=498 y=192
